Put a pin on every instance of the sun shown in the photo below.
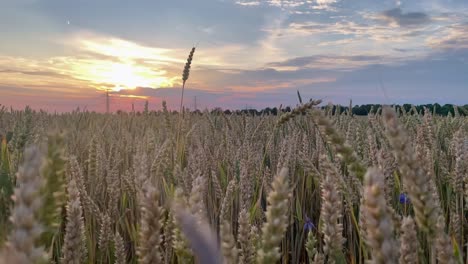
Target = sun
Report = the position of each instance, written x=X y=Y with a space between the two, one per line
x=113 y=64
x=122 y=75
x=127 y=76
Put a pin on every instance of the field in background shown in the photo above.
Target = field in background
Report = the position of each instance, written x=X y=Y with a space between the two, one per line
x=308 y=186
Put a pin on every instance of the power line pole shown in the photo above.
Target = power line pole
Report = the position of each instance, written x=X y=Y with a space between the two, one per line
x=195 y=103
x=107 y=101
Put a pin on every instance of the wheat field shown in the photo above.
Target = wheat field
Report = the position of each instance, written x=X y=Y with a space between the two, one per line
x=308 y=186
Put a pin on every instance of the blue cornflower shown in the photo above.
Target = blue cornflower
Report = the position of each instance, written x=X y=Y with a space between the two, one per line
x=404 y=199
x=308 y=225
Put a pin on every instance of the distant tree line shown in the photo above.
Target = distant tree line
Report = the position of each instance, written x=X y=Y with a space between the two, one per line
x=443 y=110
x=358 y=110
x=362 y=110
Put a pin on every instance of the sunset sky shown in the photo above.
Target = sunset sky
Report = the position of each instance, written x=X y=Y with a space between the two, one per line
x=62 y=54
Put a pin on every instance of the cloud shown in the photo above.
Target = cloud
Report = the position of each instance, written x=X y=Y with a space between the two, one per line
x=454 y=37
x=333 y=62
x=363 y=36
x=119 y=48
x=272 y=85
x=248 y=3
x=356 y=30
x=294 y=6
x=46 y=75
x=326 y=2
x=325 y=5
x=402 y=19
x=401 y=50
x=36 y=73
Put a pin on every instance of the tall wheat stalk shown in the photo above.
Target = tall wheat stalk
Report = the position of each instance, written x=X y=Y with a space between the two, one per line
x=185 y=76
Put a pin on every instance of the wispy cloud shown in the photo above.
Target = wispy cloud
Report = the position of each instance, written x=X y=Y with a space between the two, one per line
x=405 y=19
x=329 y=62
x=248 y=3
x=271 y=85
x=454 y=37
x=294 y=6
